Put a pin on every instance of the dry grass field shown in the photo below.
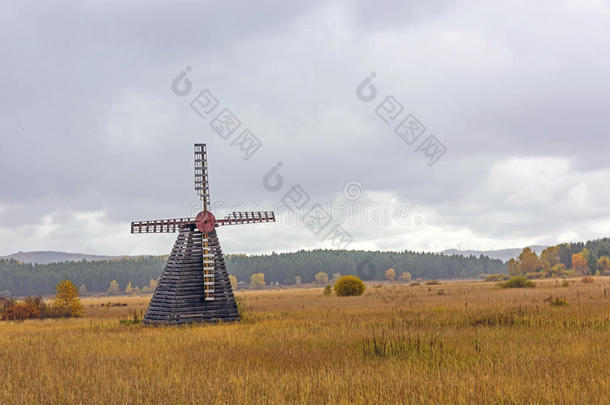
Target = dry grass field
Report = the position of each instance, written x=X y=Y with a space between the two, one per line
x=458 y=342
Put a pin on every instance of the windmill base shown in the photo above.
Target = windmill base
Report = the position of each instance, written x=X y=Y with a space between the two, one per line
x=179 y=297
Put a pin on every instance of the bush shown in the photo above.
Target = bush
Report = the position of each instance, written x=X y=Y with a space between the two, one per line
x=30 y=308
x=433 y=282
x=497 y=277
x=328 y=290
x=558 y=302
x=517 y=282
x=349 y=285
x=587 y=279
x=565 y=283
x=134 y=318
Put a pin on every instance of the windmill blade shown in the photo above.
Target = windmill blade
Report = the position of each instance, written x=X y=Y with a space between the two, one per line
x=208 y=267
x=161 y=225
x=201 y=174
x=246 y=217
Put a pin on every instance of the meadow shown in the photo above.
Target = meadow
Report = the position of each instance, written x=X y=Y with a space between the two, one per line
x=456 y=342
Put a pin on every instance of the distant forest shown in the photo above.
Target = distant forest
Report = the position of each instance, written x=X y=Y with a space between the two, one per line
x=566 y=259
x=29 y=279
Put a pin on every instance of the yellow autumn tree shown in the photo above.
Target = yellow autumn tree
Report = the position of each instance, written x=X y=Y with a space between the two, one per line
x=321 y=278
x=257 y=280
x=550 y=255
x=390 y=274
x=603 y=264
x=113 y=287
x=406 y=276
x=233 y=281
x=66 y=302
x=528 y=261
x=579 y=263
x=514 y=268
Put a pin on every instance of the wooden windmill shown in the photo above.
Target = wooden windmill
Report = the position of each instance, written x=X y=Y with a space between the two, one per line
x=194 y=285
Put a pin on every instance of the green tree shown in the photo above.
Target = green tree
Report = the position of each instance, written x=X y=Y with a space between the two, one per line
x=603 y=264
x=592 y=261
x=328 y=290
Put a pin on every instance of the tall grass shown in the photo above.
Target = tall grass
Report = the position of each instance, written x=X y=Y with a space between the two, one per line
x=394 y=344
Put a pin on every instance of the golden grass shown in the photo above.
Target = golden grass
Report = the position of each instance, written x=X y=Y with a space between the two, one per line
x=450 y=343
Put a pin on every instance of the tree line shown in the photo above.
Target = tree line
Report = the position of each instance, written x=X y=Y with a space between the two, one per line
x=21 y=279
x=566 y=259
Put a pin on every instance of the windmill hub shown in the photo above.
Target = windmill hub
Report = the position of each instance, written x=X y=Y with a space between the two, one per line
x=205 y=222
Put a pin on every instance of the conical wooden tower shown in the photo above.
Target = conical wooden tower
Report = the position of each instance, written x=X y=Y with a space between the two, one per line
x=195 y=286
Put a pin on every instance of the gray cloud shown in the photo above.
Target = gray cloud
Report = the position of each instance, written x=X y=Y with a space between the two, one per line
x=91 y=135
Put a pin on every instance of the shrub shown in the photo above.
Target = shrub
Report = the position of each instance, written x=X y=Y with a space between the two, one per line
x=413 y=284
x=517 y=282
x=587 y=279
x=558 y=302
x=432 y=282
x=349 y=285
x=135 y=318
x=328 y=290
x=497 y=277
x=241 y=307
x=565 y=283
x=31 y=307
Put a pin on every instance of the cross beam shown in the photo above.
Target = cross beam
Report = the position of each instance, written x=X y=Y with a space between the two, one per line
x=175 y=224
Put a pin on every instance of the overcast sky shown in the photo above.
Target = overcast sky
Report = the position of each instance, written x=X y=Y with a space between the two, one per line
x=93 y=134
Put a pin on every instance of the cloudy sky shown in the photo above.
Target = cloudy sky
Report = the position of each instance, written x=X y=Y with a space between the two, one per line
x=97 y=129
